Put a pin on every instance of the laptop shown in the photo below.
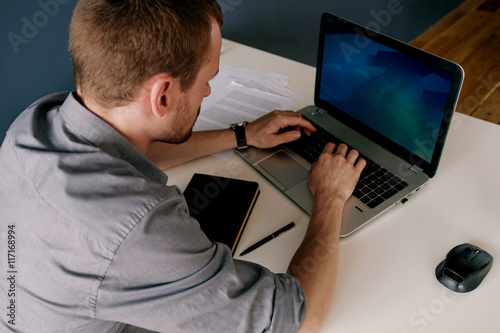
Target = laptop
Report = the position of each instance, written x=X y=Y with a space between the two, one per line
x=389 y=100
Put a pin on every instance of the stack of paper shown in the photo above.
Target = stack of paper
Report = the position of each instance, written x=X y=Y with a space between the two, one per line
x=240 y=94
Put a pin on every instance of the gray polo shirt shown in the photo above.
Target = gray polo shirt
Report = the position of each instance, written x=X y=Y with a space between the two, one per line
x=92 y=238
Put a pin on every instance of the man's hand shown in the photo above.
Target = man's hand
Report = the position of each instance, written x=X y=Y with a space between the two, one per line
x=265 y=131
x=335 y=174
x=332 y=180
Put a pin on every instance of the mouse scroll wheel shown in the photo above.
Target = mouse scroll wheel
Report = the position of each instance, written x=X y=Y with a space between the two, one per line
x=471 y=255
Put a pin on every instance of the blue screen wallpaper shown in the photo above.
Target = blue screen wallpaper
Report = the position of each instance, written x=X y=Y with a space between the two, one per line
x=400 y=97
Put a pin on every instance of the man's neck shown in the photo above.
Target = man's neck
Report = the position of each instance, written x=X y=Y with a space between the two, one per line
x=126 y=120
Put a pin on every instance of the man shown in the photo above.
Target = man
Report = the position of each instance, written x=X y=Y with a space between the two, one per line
x=101 y=243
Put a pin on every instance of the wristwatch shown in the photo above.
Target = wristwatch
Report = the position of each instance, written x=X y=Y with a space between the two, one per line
x=239 y=130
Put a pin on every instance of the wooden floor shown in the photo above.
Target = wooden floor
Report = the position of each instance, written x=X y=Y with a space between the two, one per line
x=470 y=36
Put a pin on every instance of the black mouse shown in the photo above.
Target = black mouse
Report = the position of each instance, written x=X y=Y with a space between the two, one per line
x=464 y=268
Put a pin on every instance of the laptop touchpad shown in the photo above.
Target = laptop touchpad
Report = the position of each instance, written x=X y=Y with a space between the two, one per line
x=284 y=169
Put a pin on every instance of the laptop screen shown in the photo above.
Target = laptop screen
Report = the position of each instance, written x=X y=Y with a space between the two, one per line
x=387 y=91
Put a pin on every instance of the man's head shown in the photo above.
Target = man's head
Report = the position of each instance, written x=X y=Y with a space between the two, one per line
x=116 y=45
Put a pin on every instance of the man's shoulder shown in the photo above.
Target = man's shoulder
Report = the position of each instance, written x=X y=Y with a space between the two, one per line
x=42 y=104
x=55 y=98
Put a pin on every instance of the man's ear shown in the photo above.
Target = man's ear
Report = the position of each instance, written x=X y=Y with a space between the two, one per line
x=161 y=96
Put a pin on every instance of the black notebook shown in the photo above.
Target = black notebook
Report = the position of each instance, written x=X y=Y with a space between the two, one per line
x=221 y=205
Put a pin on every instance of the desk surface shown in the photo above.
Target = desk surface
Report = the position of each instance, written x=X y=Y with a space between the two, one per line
x=386 y=280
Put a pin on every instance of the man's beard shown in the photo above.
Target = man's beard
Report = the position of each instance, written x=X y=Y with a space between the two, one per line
x=180 y=122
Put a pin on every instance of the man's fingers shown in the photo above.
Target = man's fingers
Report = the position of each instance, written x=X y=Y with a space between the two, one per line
x=329 y=148
x=291 y=119
x=287 y=136
x=352 y=156
x=360 y=164
x=342 y=149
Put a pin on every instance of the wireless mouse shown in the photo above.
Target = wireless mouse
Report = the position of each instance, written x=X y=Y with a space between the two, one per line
x=464 y=268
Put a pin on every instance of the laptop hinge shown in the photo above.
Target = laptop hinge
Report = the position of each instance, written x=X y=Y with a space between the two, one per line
x=416 y=169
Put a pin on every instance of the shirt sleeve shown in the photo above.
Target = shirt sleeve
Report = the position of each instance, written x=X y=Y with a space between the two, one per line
x=167 y=276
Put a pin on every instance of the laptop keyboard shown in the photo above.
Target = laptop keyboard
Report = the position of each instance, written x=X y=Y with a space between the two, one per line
x=376 y=183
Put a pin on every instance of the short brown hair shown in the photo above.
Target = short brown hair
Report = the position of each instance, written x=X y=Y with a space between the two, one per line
x=116 y=45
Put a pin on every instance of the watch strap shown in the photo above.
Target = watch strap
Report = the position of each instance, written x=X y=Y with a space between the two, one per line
x=239 y=131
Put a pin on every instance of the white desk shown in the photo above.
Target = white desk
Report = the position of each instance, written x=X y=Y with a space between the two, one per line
x=386 y=281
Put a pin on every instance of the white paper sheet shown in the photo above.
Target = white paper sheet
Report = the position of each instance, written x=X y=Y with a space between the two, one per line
x=240 y=94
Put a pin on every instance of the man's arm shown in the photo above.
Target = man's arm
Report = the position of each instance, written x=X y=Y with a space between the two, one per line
x=261 y=133
x=332 y=180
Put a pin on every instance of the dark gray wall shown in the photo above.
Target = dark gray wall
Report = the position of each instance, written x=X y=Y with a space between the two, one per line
x=33 y=36
x=34 y=55
x=291 y=27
